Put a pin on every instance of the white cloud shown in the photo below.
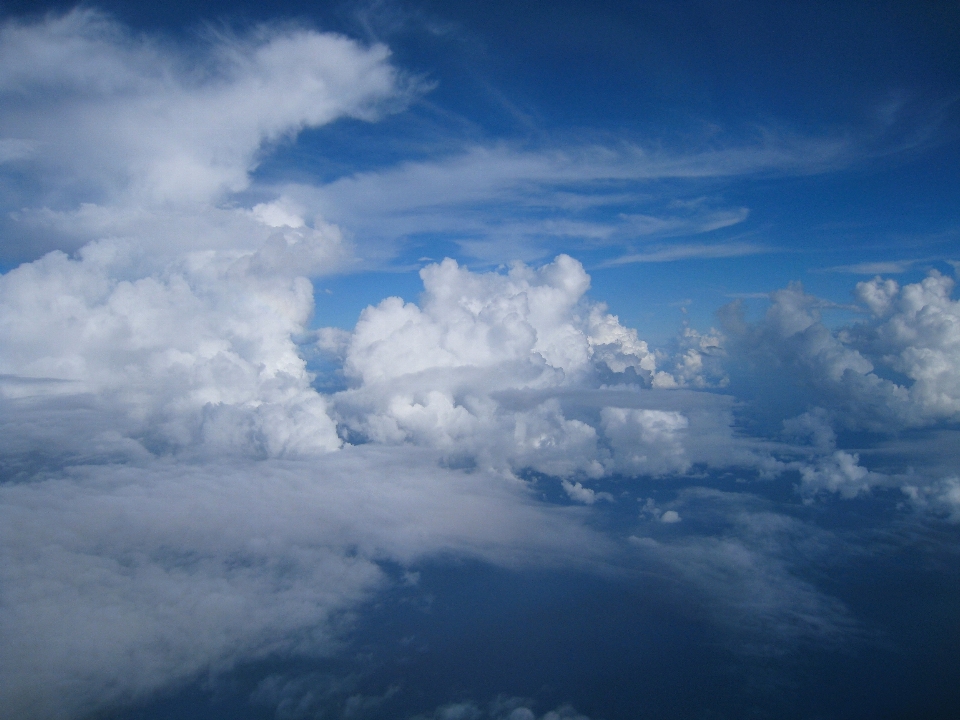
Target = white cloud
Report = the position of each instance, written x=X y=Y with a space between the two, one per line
x=919 y=336
x=491 y=368
x=497 y=197
x=178 y=503
x=839 y=472
x=202 y=353
x=690 y=251
x=178 y=497
x=898 y=370
x=887 y=267
x=142 y=117
x=180 y=314
x=133 y=137
x=848 y=370
x=646 y=441
x=578 y=493
x=941 y=497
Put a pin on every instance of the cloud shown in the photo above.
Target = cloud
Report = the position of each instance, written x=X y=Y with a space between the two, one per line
x=484 y=197
x=749 y=560
x=119 y=580
x=502 y=708
x=156 y=122
x=177 y=497
x=119 y=132
x=507 y=371
x=690 y=251
x=181 y=503
x=887 y=267
x=913 y=338
x=313 y=694
x=942 y=497
x=918 y=335
x=578 y=493
x=200 y=354
x=892 y=372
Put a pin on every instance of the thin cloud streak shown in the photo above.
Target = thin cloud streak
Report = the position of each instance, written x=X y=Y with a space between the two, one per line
x=886 y=267
x=486 y=194
x=695 y=251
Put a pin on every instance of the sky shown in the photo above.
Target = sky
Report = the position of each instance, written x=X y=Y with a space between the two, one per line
x=479 y=361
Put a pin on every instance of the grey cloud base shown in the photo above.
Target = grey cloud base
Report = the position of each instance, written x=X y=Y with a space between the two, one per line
x=122 y=580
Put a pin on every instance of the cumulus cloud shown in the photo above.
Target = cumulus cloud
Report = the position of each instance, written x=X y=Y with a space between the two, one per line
x=918 y=335
x=901 y=366
x=492 y=368
x=895 y=371
x=201 y=353
x=180 y=313
x=942 y=497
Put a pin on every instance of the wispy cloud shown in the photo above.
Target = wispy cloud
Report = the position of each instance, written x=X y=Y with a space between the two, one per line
x=885 y=267
x=691 y=251
x=585 y=194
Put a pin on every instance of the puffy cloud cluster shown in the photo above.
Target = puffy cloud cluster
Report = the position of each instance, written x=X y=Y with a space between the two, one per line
x=202 y=353
x=898 y=370
x=485 y=321
x=942 y=497
x=918 y=335
x=177 y=318
x=902 y=367
x=486 y=370
x=175 y=494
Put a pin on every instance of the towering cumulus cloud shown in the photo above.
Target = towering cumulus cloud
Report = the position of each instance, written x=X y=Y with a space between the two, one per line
x=519 y=370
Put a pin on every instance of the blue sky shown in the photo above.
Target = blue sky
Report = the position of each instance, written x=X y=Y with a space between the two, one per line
x=818 y=137
x=517 y=361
